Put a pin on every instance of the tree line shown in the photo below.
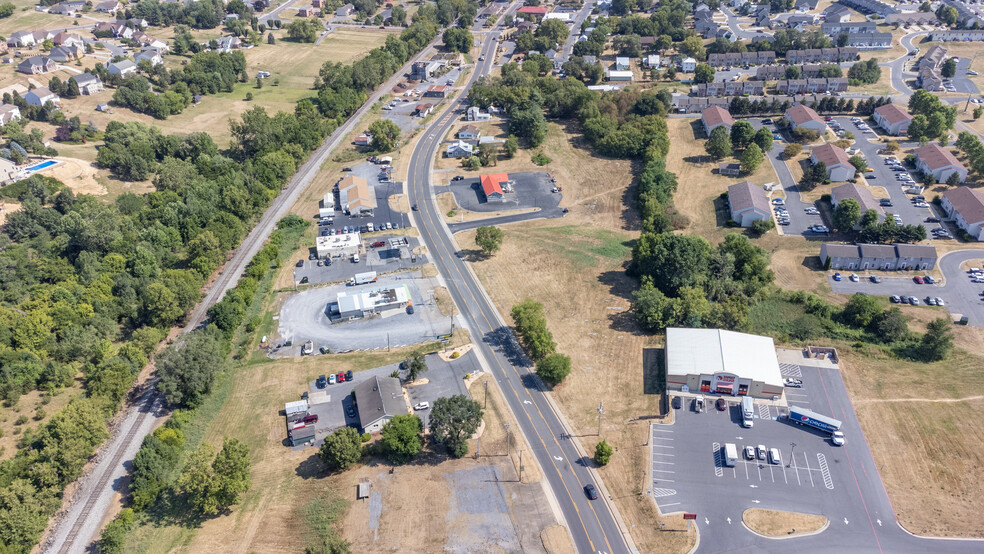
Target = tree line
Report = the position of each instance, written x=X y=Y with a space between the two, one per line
x=88 y=288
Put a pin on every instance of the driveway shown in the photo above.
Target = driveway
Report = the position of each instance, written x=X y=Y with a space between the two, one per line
x=960 y=80
x=799 y=221
x=732 y=22
x=442 y=379
x=884 y=176
x=959 y=294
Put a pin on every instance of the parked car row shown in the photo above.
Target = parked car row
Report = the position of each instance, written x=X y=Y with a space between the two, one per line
x=761 y=452
x=333 y=378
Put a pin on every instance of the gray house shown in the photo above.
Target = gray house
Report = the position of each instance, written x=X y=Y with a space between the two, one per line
x=916 y=256
x=379 y=399
x=878 y=256
x=840 y=256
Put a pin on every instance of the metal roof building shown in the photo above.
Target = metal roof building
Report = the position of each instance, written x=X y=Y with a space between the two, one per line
x=379 y=399
x=722 y=362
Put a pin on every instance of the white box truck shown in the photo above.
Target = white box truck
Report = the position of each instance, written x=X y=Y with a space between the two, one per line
x=362 y=278
x=730 y=455
x=747 y=412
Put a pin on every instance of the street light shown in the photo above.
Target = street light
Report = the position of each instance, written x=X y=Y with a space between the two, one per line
x=792 y=445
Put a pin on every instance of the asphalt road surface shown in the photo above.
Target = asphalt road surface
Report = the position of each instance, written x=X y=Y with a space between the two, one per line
x=959 y=294
x=814 y=477
x=78 y=525
x=592 y=523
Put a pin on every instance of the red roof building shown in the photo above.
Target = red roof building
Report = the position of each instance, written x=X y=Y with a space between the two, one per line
x=492 y=187
x=533 y=10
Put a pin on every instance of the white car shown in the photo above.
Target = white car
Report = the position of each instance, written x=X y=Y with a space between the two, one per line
x=854 y=277
x=750 y=452
x=761 y=451
x=838 y=438
x=422 y=406
x=774 y=456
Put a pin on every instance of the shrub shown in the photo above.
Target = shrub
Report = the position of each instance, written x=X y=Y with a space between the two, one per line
x=603 y=453
x=455 y=355
x=21 y=420
x=540 y=159
x=366 y=437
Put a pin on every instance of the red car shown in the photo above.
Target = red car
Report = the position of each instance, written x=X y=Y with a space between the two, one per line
x=377 y=244
x=313 y=418
x=918 y=280
x=341 y=376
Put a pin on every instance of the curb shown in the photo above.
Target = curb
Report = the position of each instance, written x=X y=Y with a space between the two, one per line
x=796 y=536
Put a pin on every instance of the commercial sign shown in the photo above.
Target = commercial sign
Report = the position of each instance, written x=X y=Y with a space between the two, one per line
x=687 y=515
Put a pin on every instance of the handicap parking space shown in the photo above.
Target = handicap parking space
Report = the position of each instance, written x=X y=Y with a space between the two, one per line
x=689 y=472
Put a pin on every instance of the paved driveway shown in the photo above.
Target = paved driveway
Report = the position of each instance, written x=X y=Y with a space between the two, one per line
x=884 y=176
x=959 y=294
x=960 y=80
x=799 y=220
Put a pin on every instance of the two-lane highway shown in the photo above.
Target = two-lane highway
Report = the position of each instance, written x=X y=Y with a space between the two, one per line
x=592 y=524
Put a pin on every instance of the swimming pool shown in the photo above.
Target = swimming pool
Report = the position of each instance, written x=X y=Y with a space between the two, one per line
x=41 y=166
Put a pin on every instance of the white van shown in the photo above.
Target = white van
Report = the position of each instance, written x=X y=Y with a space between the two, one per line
x=355 y=258
x=774 y=456
x=747 y=412
x=730 y=455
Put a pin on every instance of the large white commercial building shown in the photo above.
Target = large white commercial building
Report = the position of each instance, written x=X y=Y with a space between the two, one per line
x=385 y=302
x=722 y=362
x=337 y=246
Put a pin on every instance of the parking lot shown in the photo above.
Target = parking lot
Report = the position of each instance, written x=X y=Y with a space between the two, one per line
x=303 y=317
x=532 y=189
x=884 y=176
x=382 y=214
x=396 y=255
x=689 y=473
x=441 y=379
x=959 y=293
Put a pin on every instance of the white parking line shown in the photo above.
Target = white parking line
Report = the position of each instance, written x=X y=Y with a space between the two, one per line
x=663 y=471
x=661 y=454
x=810 y=473
x=662 y=439
x=667 y=463
x=667 y=505
x=661 y=446
x=784 y=473
x=662 y=431
x=798 y=482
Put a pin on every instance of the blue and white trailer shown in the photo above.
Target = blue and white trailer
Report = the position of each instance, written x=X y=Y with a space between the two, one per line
x=803 y=416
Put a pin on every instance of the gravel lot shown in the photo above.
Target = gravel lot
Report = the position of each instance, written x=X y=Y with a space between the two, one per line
x=303 y=318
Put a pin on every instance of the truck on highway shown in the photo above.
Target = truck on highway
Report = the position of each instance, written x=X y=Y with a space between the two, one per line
x=747 y=412
x=363 y=278
x=730 y=455
x=802 y=416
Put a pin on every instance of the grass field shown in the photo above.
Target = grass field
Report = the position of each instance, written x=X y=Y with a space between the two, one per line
x=588 y=254
x=781 y=524
x=27 y=407
x=699 y=183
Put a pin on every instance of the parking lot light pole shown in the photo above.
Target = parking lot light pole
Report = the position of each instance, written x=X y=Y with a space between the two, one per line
x=792 y=446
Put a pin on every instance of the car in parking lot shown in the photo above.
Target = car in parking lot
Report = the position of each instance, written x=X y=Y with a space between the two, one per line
x=932 y=219
x=794 y=383
x=341 y=377
x=377 y=244
x=913 y=300
x=760 y=451
x=894 y=299
x=918 y=279
x=774 y=456
x=750 y=452
x=677 y=402
x=591 y=491
x=837 y=438
x=721 y=404
x=778 y=201
x=875 y=279
x=421 y=406
x=322 y=382
x=332 y=379
x=930 y=301
x=312 y=418
x=938 y=301
x=458 y=178
x=854 y=278
x=929 y=279
x=837 y=276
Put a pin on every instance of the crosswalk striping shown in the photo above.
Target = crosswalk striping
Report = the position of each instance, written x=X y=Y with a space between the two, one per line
x=825 y=471
x=660 y=493
x=718 y=460
x=764 y=412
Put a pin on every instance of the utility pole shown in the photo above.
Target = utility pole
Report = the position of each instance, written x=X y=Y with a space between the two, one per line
x=520 y=465
x=387 y=342
x=486 y=383
x=601 y=410
x=507 y=438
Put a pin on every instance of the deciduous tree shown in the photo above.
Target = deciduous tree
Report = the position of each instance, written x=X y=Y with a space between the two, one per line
x=341 y=449
x=489 y=239
x=453 y=420
x=401 y=438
